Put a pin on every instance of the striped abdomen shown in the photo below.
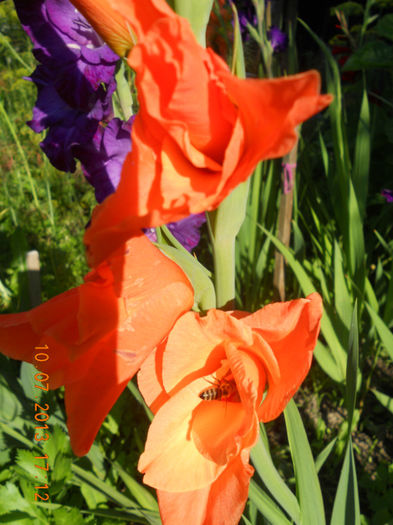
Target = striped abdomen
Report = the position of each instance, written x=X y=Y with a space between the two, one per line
x=222 y=391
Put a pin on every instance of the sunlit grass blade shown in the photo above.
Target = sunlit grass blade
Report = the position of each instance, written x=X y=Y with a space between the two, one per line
x=138 y=396
x=271 y=478
x=266 y=505
x=388 y=311
x=150 y=516
x=322 y=456
x=307 y=482
x=238 y=65
x=361 y=164
x=352 y=367
x=342 y=299
x=384 y=333
x=384 y=399
x=140 y=493
x=346 y=509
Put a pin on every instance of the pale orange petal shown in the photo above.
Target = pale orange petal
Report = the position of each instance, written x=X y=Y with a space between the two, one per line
x=222 y=503
x=150 y=380
x=188 y=508
x=171 y=461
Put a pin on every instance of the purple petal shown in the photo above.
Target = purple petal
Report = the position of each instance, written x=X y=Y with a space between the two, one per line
x=388 y=194
x=103 y=158
x=186 y=231
x=278 y=39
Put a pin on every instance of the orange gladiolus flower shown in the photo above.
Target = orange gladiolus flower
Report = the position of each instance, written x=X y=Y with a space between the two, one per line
x=206 y=384
x=199 y=132
x=99 y=333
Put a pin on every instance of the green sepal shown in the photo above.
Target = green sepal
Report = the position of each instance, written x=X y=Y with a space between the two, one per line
x=204 y=294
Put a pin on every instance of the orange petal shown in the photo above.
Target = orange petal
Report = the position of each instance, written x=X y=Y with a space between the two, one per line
x=89 y=400
x=281 y=104
x=17 y=338
x=150 y=380
x=196 y=115
x=108 y=23
x=220 y=429
x=140 y=16
x=221 y=503
x=171 y=460
x=291 y=329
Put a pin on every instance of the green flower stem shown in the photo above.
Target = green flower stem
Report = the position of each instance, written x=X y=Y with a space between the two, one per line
x=224 y=224
x=197 y=13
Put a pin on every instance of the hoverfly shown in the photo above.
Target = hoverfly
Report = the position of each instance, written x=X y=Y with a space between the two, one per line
x=223 y=390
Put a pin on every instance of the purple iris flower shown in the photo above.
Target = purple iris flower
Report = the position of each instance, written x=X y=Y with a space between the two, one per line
x=278 y=39
x=388 y=194
x=186 y=231
x=102 y=161
x=75 y=82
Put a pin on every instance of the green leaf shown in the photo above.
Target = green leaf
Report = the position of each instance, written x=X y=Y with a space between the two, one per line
x=384 y=399
x=327 y=362
x=388 y=311
x=354 y=232
x=266 y=505
x=204 y=294
x=92 y=497
x=342 y=299
x=11 y=499
x=352 y=367
x=361 y=162
x=384 y=333
x=271 y=478
x=384 y=27
x=6 y=428
x=307 y=483
x=238 y=65
x=26 y=378
x=122 y=500
x=348 y=8
x=11 y=406
x=140 y=493
x=138 y=396
x=346 y=507
x=66 y=516
x=26 y=461
x=374 y=54
x=322 y=456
